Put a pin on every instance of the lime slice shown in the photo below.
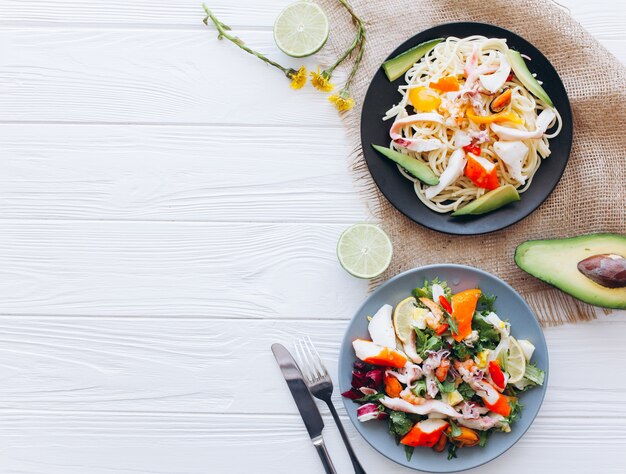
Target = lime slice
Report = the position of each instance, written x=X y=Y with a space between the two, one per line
x=301 y=29
x=403 y=316
x=364 y=250
x=515 y=361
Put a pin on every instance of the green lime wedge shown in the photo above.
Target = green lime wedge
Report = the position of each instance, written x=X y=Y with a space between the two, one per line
x=301 y=29
x=364 y=250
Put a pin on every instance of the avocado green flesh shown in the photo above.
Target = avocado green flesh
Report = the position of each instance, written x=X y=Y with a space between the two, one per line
x=555 y=262
x=490 y=201
x=525 y=76
x=414 y=167
x=397 y=66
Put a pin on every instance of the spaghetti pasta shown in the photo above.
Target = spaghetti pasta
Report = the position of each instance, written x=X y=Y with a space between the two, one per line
x=474 y=72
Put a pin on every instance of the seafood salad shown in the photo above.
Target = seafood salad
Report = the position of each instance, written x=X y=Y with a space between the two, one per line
x=442 y=370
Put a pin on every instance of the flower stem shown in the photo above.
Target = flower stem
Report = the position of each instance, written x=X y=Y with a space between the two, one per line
x=357 y=39
x=223 y=29
x=357 y=61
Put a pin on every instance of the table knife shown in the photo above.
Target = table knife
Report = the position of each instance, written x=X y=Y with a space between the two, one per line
x=305 y=403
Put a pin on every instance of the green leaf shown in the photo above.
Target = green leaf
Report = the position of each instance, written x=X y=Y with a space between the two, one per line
x=399 y=423
x=420 y=340
x=451 y=451
x=370 y=398
x=486 y=303
x=434 y=343
x=426 y=291
x=466 y=391
x=451 y=322
x=534 y=374
x=488 y=336
x=454 y=430
x=408 y=451
x=461 y=351
x=516 y=411
x=484 y=437
x=446 y=386
x=419 y=389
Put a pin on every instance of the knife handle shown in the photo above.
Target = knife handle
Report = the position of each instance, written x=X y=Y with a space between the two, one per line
x=318 y=442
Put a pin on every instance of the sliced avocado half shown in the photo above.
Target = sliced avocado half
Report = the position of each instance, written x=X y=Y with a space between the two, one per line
x=397 y=66
x=558 y=263
x=525 y=76
x=414 y=167
x=490 y=201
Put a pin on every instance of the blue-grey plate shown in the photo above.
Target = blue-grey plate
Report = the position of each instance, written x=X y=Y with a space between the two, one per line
x=509 y=305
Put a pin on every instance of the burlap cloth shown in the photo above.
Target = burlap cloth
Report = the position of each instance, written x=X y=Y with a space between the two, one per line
x=589 y=198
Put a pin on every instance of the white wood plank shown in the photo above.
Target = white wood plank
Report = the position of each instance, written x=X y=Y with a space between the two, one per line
x=174 y=269
x=156 y=13
x=74 y=442
x=224 y=366
x=251 y=174
x=151 y=76
x=605 y=19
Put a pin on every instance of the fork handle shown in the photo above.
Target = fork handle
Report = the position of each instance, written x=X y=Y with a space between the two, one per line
x=318 y=442
x=358 y=469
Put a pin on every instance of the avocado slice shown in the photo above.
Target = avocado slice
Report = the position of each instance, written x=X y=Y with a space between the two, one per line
x=525 y=76
x=414 y=167
x=490 y=201
x=397 y=66
x=557 y=262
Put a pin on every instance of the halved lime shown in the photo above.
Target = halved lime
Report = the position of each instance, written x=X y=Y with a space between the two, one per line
x=364 y=250
x=403 y=316
x=515 y=361
x=301 y=29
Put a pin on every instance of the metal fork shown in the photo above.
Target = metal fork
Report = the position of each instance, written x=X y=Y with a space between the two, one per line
x=321 y=386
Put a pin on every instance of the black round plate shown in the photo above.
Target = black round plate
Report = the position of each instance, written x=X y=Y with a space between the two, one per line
x=382 y=93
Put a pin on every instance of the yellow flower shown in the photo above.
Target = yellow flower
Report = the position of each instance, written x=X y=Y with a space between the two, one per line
x=343 y=104
x=298 y=78
x=321 y=81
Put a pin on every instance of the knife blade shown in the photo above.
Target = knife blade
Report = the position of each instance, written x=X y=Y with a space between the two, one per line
x=304 y=401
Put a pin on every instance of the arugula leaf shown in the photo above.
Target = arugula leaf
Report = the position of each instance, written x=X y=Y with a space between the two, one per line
x=399 y=423
x=370 y=398
x=516 y=411
x=420 y=340
x=488 y=336
x=419 y=389
x=408 y=451
x=486 y=303
x=454 y=430
x=451 y=322
x=434 y=343
x=461 y=351
x=426 y=291
x=451 y=451
x=466 y=391
x=484 y=437
x=446 y=386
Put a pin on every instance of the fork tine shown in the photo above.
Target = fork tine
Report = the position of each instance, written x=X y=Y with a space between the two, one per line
x=319 y=373
x=309 y=359
x=301 y=361
x=320 y=364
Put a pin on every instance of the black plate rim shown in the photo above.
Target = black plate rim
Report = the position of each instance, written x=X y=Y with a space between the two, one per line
x=567 y=129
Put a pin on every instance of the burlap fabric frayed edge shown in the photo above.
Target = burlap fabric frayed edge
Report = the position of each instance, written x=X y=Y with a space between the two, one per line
x=551 y=306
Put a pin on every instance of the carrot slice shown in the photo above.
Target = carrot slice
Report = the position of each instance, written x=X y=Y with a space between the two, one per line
x=463 y=307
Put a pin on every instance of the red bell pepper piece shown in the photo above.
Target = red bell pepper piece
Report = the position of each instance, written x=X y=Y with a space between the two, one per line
x=496 y=374
x=441 y=329
x=472 y=148
x=445 y=304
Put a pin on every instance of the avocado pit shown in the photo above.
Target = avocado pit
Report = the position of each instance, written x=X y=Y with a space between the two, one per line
x=608 y=270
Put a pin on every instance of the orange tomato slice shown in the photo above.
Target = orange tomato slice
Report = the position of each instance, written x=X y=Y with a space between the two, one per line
x=463 y=307
x=424 y=99
x=446 y=84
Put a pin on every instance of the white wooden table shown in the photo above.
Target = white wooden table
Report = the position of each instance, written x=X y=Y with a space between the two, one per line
x=168 y=209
